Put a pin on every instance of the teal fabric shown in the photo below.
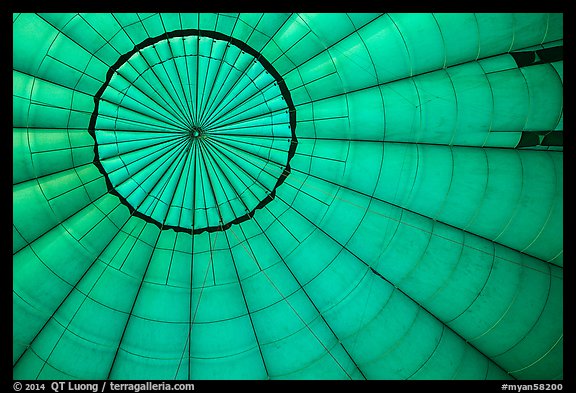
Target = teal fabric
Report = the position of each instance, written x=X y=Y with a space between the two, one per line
x=400 y=227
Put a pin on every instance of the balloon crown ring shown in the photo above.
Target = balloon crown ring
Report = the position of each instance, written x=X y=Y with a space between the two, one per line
x=194 y=130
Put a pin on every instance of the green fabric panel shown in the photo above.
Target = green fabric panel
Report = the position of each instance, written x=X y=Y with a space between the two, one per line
x=313 y=207
x=245 y=365
x=319 y=71
x=315 y=284
x=68 y=263
x=399 y=315
x=467 y=187
x=539 y=185
x=287 y=348
x=48 y=139
x=223 y=262
x=67 y=193
x=290 y=33
x=256 y=29
x=305 y=48
x=326 y=366
x=496 y=33
x=361 y=19
x=497 y=63
x=423 y=40
x=206 y=21
x=511 y=100
x=355 y=74
x=307 y=266
x=91 y=368
x=480 y=326
x=434 y=180
x=31 y=212
x=160 y=300
x=219 y=302
x=188 y=20
x=539 y=351
x=59 y=183
x=132 y=26
x=559 y=68
x=69 y=56
x=516 y=318
x=529 y=213
x=327 y=295
x=361 y=159
x=504 y=170
x=275 y=333
x=415 y=282
x=530 y=28
x=30 y=364
x=437 y=103
x=349 y=319
x=58 y=20
x=95 y=345
x=472 y=269
x=94 y=241
x=397 y=173
x=66 y=204
x=51 y=373
x=278 y=341
x=403 y=118
x=460 y=36
x=31 y=43
x=366 y=114
x=544 y=349
x=42 y=350
x=502 y=138
x=168 y=338
x=322 y=26
x=337 y=363
x=138 y=367
x=264 y=285
x=33 y=299
x=555 y=219
x=468 y=372
x=474 y=104
x=448 y=351
x=383 y=36
x=18 y=242
x=22 y=167
x=555 y=27
x=225 y=22
x=22 y=85
x=356 y=208
x=91 y=38
x=98 y=292
x=545 y=87
x=79 y=225
x=57 y=160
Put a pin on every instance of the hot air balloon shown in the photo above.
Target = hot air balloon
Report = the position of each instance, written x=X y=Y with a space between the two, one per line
x=287 y=196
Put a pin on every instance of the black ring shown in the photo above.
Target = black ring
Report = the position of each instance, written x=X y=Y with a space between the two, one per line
x=244 y=47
